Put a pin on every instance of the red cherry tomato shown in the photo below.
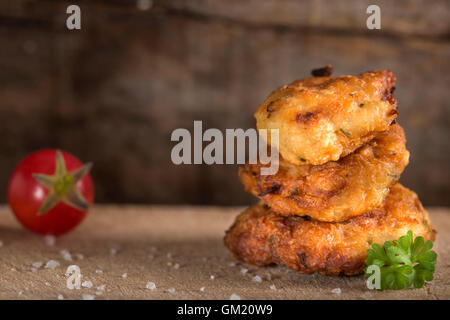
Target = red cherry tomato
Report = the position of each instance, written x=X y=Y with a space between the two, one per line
x=50 y=191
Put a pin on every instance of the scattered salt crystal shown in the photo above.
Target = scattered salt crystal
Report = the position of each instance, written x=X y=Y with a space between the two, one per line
x=212 y=277
x=244 y=271
x=33 y=269
x=202 y=289
x=268 y=277
x=169 y=255
x=13 y=269
x=367 y=295
x=87 y=284
x=151 y=286
x=113 y=251
x=235 y=297
x=19 y=293
x=66 y=254
x=124 y=275
x=336 y=290
x=50 y=240
x=88 y=297
x=176 y=266
x=98 y=293
x=101 y=288
x=52 y=264
x=37 y=264
x=60 y=297
x=79 y=256
x=232 y=264
x=48 y=284
x=257 y=279
x=171 y=290
x=98 y=271
x=272 y=287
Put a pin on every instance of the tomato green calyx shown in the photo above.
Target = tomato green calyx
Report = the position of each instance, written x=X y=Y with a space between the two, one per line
x=63 y=186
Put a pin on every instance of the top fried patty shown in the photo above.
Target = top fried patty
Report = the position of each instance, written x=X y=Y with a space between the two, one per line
x=322 y=119
x=337 y=190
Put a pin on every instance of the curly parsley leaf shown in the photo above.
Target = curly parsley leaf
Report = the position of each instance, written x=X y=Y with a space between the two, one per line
x=403 y=262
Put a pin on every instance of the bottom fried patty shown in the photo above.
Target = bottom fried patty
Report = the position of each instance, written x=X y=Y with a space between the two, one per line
x=260 y=236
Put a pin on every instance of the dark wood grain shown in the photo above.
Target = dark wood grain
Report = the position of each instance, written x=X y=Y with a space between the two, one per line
x=113 y=92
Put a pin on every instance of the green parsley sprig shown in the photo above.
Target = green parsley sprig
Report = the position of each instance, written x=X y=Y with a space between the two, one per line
x=403 y=262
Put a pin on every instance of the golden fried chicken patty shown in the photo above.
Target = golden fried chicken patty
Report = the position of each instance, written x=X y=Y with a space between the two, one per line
x=334 y=191
x=261 y=237
x=322 y=119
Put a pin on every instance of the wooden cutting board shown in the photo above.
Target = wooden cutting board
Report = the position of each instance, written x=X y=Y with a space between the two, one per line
x=119 y=249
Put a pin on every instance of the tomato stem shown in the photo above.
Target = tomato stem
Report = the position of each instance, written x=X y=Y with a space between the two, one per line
x=63 y=186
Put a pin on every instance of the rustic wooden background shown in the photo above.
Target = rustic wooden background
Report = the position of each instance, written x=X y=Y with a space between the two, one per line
x=114 y=91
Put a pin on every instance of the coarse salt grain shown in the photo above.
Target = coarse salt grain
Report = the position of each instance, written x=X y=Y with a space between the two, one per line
x=113 y=251
x=257 y=279
x=66 y=254
x=169 y=255
x=212 y=277
x=37 y=264
x=60 y=297
x=50 y=240
x=33 y=269
x=88 y=297
x=244 y=271
x=101 y=288
x=232 y=264
x=336 y=291
x=367 y=295
x=235 y=297
x=124 y=275
x=98 y=271
x=272 y=287
x=151 y=286
x=13 y=269
x=202 y=289
x=52 y=264
x=176 y=266
x=87 y=284
x=171 y=290
x=48 y=284
x=99 y=293
x=79 y=256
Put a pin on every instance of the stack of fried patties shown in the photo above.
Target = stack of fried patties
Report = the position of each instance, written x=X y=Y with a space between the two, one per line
x=336 y=191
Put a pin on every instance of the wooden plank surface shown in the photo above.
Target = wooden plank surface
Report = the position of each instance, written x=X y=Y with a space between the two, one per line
x=174 y=247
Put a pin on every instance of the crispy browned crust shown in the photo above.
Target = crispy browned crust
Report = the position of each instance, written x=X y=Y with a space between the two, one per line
x=334 y=191
x=321 y=119
x=261 y=237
